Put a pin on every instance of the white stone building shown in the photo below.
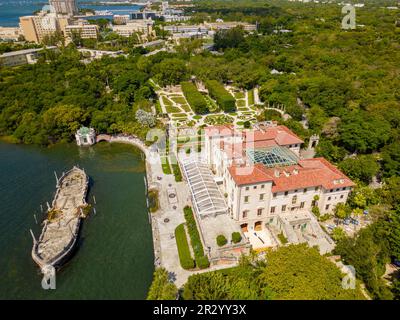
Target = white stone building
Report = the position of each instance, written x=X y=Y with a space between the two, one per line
x=268 y=187
x=85 y=136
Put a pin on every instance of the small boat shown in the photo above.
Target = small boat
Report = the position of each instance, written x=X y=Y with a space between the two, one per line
x=61 y=227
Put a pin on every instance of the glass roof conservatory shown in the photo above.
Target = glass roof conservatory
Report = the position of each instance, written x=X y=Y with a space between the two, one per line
x=206 y=196
x=272 y=157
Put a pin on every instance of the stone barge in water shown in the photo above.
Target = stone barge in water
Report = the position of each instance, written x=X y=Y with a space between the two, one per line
x=61 y=227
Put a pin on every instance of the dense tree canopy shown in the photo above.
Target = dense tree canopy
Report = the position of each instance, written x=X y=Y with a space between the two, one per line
x=292 y=272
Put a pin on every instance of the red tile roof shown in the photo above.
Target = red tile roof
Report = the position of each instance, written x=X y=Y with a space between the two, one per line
x=220 y=130
x=249 y=174
x=316 y=172
x=280 y=134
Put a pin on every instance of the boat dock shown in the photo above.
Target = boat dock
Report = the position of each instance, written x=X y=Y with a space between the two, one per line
x=61 y=227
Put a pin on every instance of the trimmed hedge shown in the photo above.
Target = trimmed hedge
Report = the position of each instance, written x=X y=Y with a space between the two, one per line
x=185 y=257
x=224 y=99
x=221 y=240
x=201 y=260
x=236 y=237
x=194 y=98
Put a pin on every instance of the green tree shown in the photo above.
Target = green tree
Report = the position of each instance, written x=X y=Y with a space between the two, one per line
x=298 y=272
x=230 y=38
x=338 y=234
x=362 y=167
x=394 y=236
x=368 y=252
x=391 y=159
x=170 y=71
x=162 y=288
x=342 y=211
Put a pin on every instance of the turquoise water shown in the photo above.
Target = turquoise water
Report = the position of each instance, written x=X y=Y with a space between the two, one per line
x=11 y=10
x=115 y=255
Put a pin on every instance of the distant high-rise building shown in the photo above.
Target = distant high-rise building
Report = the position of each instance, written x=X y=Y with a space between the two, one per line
x=65 y=6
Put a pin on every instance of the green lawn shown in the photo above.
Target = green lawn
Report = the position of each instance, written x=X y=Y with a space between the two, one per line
x=165 y=165
x=166 y=101
x=179 y=115
x=185 y=256
x=172 y=109
x=241 y=103
x=239 y=95
x=186 y=107
x=251 y=97
x=180 y=100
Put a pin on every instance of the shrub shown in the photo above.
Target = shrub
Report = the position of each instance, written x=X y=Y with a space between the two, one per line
x=185 y=257
x=194 y=98
x=316 y=211
x=338 y=234
x=153 y=200
x=202 y=262
x=325 y=217
x=282 y=238
x=224 y=99
x=221 y=240
x=236 y=237
x=193 y=232
x=246 y=124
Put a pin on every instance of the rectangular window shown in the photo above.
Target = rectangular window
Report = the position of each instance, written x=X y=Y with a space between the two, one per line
x=261 y=196
x=316 y=188
x=259 y=212
x=244 y=214
x=255 y=187
x=284 y=208
x=272 y=209
x=327 y=207
x=246 y=199
x=329 y=198
x=294 y=199
x=247 y=188
x=274 y=195
x=302 y=204
x=341 y=196
x=344 y=188
x=262 y=186
x=305 y=190
x=286 y=193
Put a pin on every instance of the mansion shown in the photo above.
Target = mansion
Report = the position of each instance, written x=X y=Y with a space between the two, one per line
x=258 y=179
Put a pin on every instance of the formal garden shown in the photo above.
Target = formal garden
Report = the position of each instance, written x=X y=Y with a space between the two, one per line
x=186 y=105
